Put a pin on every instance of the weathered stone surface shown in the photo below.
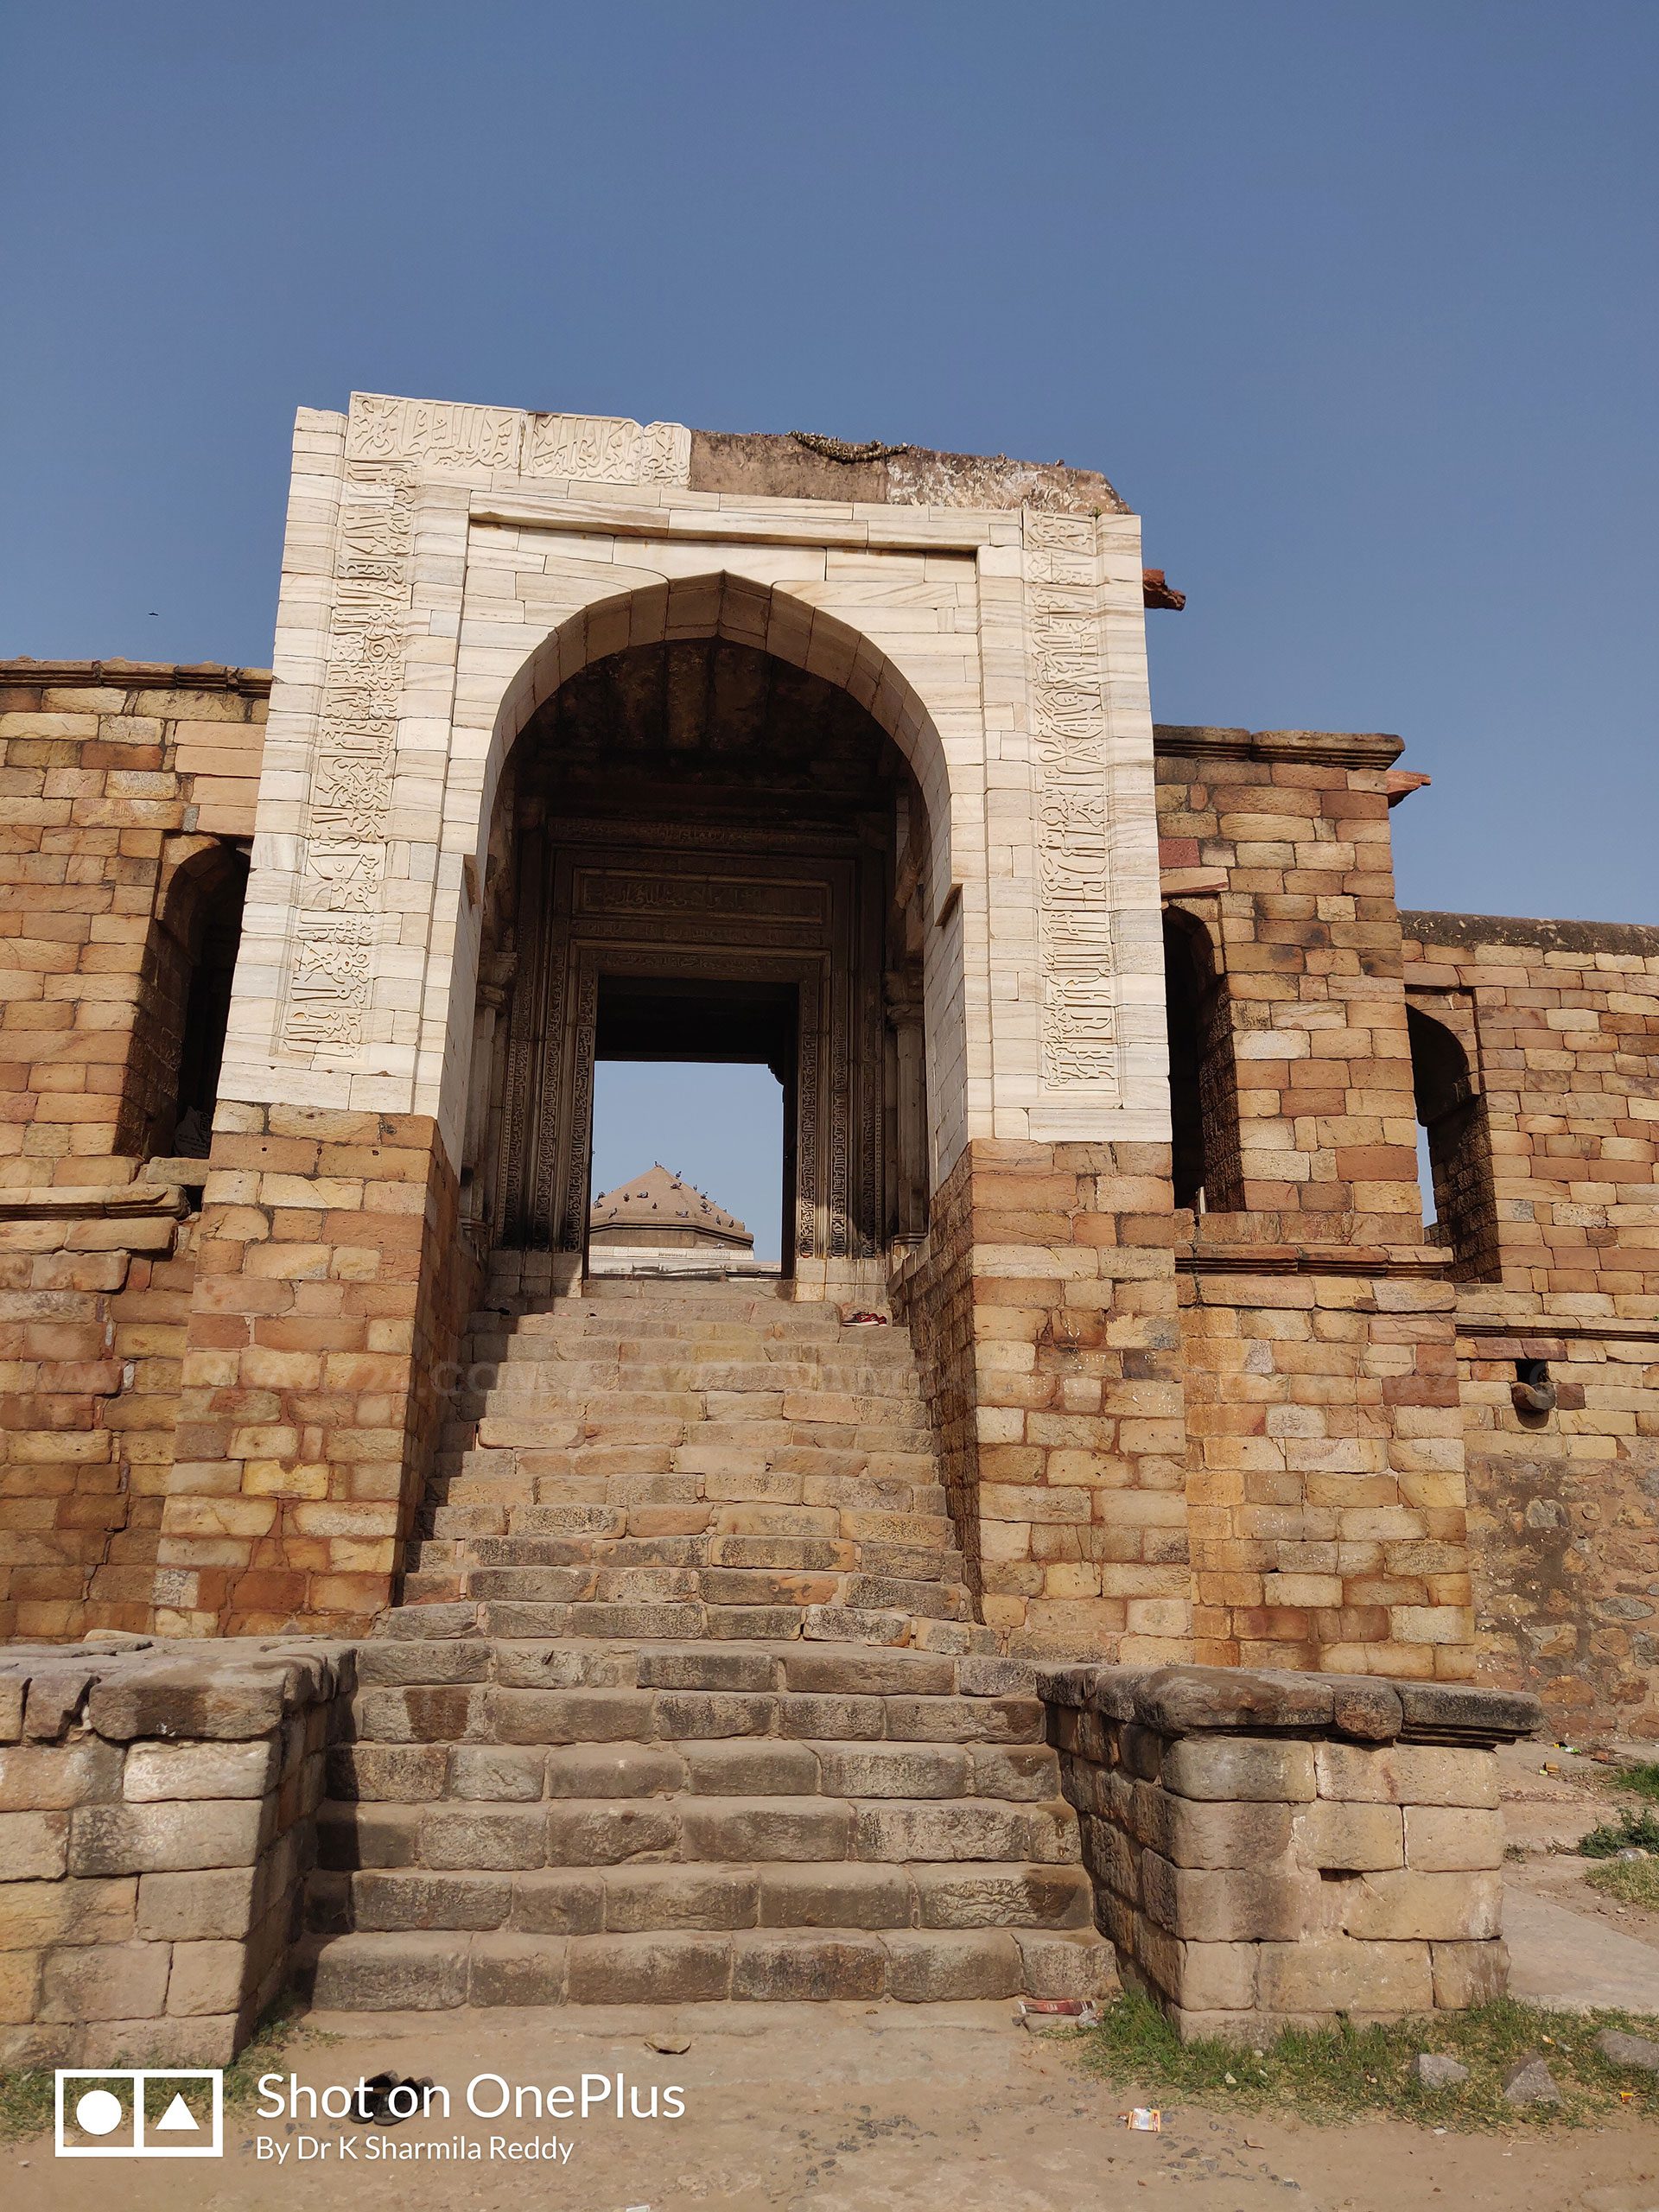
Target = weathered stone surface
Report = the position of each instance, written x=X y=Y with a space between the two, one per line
x=1407 y=1906
x=517 y=1970
x=46 y=1778
x=1531 y=2082
x=930 y=1968
x=1225 y=1768
x=1621 y=2048
x=1349 y=1836
x=207 y=1978
x=678 y=1969
x=105 y=1981
x=1437 y=2070
x=165 y=1838
x=390 y=1974
x=1334 y=1974
x=1408 y=1774
x=1453 y=1838
x=817 y=1967
x=33 y=1846
x=157 y=1773
x=1466 y=1974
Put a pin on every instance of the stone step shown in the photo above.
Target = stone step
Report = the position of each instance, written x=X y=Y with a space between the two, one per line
x=763 y=1766
x=572 y=1375
x=373 y=1972
x=445 y=1709
x=482 y=1836
x=635 y=1898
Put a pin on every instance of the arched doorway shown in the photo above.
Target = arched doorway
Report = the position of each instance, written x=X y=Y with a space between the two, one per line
x=700 y=844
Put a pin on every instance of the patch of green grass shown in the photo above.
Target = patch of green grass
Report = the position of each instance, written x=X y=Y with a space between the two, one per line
x=1633 y=1881
x=27 y=2100
x=1643 y=1780
x=1340 y=2073
x=1635 y=1827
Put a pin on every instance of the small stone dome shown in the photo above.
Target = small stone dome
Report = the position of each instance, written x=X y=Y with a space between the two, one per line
x=657 y=1209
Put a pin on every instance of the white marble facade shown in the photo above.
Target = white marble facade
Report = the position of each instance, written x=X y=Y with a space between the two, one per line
x=446 y=567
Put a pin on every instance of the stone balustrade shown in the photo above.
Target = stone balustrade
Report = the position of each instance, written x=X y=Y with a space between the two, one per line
x=1275 y=1849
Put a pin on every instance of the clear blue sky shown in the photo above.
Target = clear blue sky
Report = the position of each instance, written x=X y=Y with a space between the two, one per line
x=1355 y=302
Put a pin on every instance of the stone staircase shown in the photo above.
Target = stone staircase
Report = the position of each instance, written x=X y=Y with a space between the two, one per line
x=533 y=1824
x=685 y=1699
x=700 y=1459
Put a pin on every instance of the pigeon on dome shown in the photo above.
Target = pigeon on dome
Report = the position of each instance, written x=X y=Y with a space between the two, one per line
x=660 y=1210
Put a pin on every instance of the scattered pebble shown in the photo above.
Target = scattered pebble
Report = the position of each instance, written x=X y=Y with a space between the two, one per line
x=1435 y=2071
x=1531 y=2082
x=1629 y=2050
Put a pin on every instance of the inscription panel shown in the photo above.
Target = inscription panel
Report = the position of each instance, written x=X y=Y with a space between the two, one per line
x=343 y=850
x=1069 y=738
x=441 y=435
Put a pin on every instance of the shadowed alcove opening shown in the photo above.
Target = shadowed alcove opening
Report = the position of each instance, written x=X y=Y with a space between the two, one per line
x=1202 y=1079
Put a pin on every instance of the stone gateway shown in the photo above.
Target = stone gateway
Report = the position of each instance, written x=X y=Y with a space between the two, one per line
x=605 y=1626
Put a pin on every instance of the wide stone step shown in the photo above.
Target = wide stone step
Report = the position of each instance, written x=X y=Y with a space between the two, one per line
x=500 y=1712
x=527 y=1371
x=397 y=1971
x=631 y=1899
x=763 y=1766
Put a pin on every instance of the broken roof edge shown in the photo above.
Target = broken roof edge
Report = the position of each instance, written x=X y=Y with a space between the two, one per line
x=801 y=464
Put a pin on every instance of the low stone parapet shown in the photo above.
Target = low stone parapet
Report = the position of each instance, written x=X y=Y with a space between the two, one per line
x=1270 y=1850
x=157 y=1827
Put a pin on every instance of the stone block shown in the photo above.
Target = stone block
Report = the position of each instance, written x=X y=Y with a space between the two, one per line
x=968 y=1895
x=649 y=1969
x=209 y=2040
x=33 y=1846
x=408 y=1774
x=464 y=1837
x=517 y=1970
x=189 y=1907
x=1250 y=1767
x=1408 y=1774
x=613 y=1770
x=1446 y=1839
x=927 y=1967
x=847 y=1967
x=504 y=1773
x=1057 y=1964
x=389 y=1974
x=1334 y=1974
x=35 y=1914
x=158 y=1772
x=185 y=1701
x=207 y=1978
x=1349 y=1837
x=105 y=1981
x=837 y=1895
x=1227 y=1905
x=1406 y=1906
x=19 y=1986
x=47 y=1778
x=1216 y=1976
x=580 y=1834
x=1197 y=1832
x=404 y=1901
x=167 y=1838
x=559 y=1902
x=1466 y=1974
x=638 y=1899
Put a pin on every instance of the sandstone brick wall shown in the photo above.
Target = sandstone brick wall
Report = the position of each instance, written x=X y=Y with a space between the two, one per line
x=112 y=775
x=126 y=790
x=94 y=1287
x=1325 y=1446
x=1269 y=1852
x=1560 y=1025
x=331 y=1289
x=1046 y=1311
x=157 y=1823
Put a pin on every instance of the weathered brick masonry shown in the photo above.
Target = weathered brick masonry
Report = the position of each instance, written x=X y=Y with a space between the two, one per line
x=1233 y=1428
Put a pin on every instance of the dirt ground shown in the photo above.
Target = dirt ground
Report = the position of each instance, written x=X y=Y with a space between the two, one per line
x=834 y=2109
